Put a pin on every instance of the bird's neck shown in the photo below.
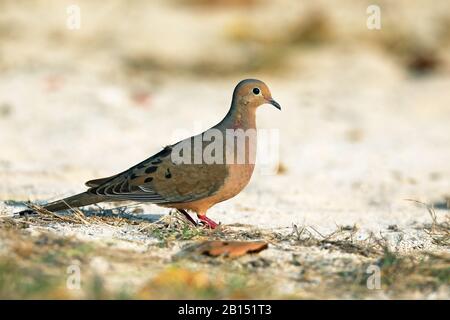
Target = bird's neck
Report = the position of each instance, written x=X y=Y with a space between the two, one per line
x=240 y=123
x=240 y=117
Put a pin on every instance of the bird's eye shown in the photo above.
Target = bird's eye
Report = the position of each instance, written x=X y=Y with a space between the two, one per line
x=256 y=91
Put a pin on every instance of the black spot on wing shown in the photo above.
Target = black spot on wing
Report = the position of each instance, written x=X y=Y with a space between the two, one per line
x=151 y=169
x=148 y=180
x=168 y=174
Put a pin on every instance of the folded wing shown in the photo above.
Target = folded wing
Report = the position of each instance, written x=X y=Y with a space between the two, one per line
x=159 y=180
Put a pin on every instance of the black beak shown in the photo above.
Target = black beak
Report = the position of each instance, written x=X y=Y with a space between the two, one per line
x=274 y=103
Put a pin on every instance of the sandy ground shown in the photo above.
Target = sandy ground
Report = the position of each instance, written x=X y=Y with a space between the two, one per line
x=351 y=154
x=358 y=135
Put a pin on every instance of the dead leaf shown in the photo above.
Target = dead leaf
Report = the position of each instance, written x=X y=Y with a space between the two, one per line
x=232 y=249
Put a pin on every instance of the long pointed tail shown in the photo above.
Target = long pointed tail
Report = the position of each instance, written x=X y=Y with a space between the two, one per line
x=78 y=200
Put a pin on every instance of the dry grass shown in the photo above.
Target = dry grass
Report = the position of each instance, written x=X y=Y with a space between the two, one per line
x=342 y=239
x=316 y=265
x=438 y=231
x=116 y=217
x=338 y=266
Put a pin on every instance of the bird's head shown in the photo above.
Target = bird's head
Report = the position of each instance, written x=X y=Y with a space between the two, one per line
x=252 y=93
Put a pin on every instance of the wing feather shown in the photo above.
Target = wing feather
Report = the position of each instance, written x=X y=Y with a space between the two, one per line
x=159 y=180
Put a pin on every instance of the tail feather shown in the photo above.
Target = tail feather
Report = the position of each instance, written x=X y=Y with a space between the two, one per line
x=78 y=200
x=96 y=182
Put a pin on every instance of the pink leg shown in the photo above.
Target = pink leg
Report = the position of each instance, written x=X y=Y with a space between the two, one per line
x=207 y=221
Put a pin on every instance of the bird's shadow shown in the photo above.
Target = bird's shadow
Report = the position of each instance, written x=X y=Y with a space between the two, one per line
x=122 y=212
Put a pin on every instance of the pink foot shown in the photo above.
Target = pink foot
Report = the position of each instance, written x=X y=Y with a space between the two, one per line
x=207 y=221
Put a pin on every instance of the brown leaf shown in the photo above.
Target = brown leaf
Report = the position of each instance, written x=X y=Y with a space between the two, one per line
x=230 y=249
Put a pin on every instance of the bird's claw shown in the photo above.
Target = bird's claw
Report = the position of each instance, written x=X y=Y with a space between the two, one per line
x=208 y=222
x=203 y=219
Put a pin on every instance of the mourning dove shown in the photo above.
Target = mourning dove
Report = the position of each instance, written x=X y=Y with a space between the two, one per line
x=176 y=178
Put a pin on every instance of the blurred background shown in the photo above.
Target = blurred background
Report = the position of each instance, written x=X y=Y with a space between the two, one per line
x=89 y=88
x=365 y=122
